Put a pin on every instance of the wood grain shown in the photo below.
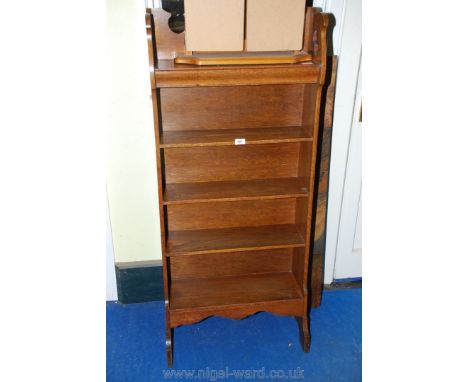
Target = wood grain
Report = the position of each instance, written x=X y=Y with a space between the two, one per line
x=248 y=289
x=231 y=264
x=169 y=44
x=231 y=107
x=243 y=213
x=229 y=163
x=169 y=75
x=181 y=193
x=233 y=239
x=227 y=137
x=244 y=60
x=322 y=189
x=289 y=307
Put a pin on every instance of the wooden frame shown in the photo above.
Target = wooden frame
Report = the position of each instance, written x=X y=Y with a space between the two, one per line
x=236 y=151
x=322 y=184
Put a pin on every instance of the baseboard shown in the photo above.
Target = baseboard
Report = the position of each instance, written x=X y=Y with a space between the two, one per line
x=140 y=281
x=345 y=284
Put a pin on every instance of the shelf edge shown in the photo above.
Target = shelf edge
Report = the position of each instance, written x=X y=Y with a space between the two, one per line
x=235 y=249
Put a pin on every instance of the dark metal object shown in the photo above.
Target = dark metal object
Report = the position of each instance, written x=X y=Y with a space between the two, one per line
x=177 y=20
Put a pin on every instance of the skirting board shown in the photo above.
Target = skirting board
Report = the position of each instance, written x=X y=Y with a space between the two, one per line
x=139 y=281
x=351 y=283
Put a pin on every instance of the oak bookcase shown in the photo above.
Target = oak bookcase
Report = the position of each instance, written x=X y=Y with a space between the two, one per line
x=236 y=149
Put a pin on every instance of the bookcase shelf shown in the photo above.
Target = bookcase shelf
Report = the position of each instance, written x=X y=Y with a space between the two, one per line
x=236 y=152
x=256 y=189
x=227 y=137
x=198 y=298
x=248 y=289
x=195 y=242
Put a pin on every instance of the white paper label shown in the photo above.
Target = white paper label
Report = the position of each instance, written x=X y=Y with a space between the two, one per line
x=239 y=141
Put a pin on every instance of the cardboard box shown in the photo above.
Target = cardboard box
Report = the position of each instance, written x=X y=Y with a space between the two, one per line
x=274 y=25
x=214 y=25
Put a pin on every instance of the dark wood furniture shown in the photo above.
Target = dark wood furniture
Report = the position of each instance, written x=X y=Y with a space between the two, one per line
x=321 y=183
x=236 y=150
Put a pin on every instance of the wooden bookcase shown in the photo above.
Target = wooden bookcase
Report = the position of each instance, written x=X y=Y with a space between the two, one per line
x=236 y=219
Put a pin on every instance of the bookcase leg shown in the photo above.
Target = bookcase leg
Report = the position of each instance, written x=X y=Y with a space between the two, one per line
x=169 y=346
x=304 y=332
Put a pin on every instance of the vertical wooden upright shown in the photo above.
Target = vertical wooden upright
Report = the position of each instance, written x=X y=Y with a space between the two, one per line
x=236 y=150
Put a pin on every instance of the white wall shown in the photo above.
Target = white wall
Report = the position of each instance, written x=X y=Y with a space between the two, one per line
x=347 y=45
x=336 y=8
x=348 y=262
x=131 y=161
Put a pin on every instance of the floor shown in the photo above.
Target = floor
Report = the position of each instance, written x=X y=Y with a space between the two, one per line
x=258 y=347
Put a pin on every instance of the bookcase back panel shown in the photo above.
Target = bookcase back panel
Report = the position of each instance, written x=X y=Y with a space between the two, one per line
x=231 y=107
x=224 y=163
x=297 y=265
x=216 y=215
x=231 y=263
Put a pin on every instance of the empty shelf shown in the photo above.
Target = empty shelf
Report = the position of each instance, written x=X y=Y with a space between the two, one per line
x=193 y=242
x=179 y=193
x=219 y=291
